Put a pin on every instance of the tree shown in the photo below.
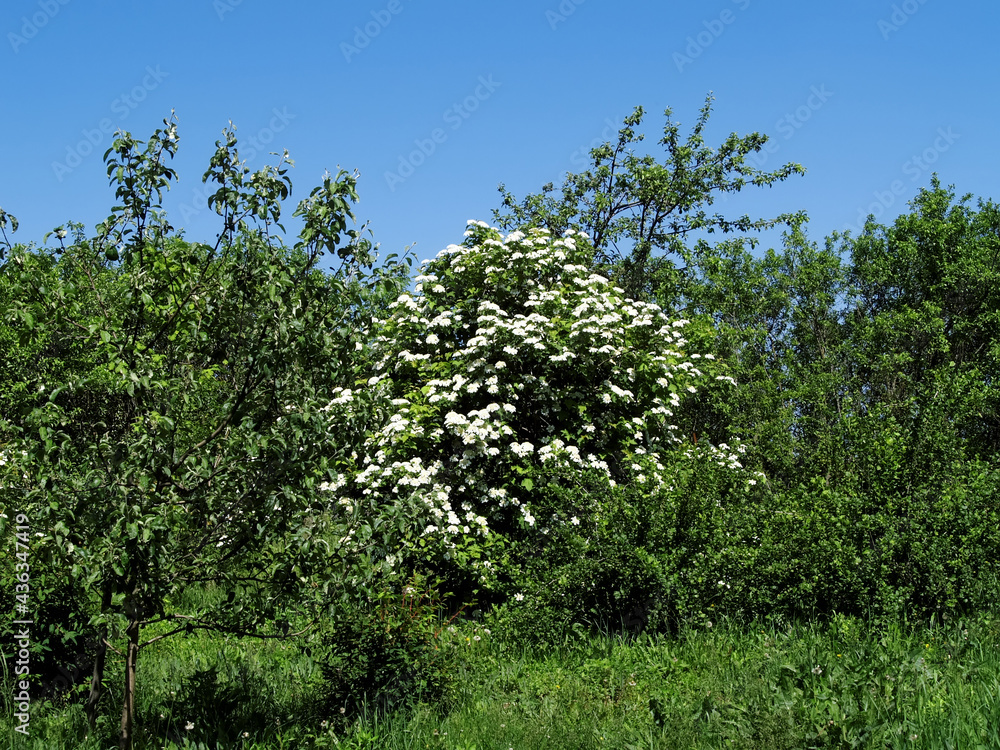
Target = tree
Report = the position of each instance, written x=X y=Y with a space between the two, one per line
x=776 y=319
x=187 y=448
x=638 y=211
x=510 y=371
x=924 y=326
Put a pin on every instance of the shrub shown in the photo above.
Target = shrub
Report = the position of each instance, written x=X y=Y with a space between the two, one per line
x=386 y=652
x=523 y=390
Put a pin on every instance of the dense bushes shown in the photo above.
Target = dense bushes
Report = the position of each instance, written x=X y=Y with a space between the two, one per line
x=386 y=652
x=691 y=555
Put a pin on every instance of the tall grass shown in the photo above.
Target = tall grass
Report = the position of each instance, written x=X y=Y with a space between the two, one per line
x=835 y=685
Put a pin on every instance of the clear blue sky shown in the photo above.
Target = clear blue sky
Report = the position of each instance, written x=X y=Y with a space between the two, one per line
x=869 y=96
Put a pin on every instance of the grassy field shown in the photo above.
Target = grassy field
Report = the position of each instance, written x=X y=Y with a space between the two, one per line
x=840 y=684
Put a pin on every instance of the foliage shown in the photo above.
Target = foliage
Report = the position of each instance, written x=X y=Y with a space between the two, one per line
x=228 y=438
x=875 y=482
x=386 y=653
x=776 y=322
x=651 y=559
x=926 y=318
x=183 y=446
x=638 y=211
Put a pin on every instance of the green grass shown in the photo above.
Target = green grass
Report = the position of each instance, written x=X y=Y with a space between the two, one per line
x=838 y=685
x=842 y=684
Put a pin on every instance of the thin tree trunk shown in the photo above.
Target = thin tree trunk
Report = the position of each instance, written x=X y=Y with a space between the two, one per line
x=97 y=678
x=128 y=707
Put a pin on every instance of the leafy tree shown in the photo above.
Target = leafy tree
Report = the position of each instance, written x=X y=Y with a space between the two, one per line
x=866 y=371
x=186 y=449
x=638 y=211
x=776 y=320
x=925 y=322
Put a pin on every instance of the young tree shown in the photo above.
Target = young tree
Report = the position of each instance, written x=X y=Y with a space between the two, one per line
x=638 y=211
x=186 y=449
x=776 y=319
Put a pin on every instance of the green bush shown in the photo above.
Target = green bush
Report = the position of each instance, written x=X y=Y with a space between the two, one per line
x=815 y=550
x=386 y=653
x=710 y=546
x=639 y=557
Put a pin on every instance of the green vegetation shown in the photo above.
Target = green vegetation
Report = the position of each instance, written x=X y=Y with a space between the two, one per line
x=768 y=686
x=624 y=488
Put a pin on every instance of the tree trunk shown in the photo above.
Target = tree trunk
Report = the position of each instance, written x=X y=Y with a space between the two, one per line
x=128 y=705
x=97 y=679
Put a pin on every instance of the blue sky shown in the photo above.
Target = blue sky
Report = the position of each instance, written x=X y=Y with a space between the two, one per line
x=436 y=103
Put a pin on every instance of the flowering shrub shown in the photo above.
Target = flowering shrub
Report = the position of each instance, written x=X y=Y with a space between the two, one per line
x=511 y=367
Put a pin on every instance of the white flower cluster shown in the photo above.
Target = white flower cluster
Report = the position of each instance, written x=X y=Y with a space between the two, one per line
x=341 y=396
x=722 y=455
x=335 y=485
x=8 y=465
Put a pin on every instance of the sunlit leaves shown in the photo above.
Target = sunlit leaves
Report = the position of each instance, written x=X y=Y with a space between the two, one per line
x=638 y=211
x=176 y=431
